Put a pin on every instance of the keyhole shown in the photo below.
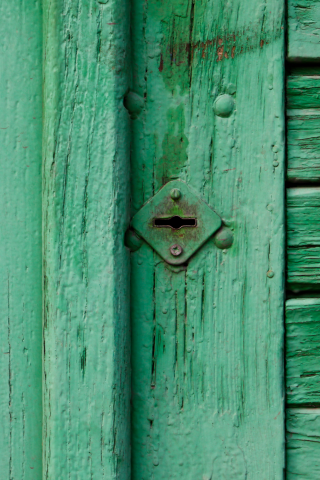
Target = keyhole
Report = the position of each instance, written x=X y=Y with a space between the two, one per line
x=175 y=222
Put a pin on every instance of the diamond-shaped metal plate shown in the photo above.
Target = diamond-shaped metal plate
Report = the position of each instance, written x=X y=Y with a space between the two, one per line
x=165 y=240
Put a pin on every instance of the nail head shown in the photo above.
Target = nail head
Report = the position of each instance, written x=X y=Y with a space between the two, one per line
x=176 y=250
x=175 y=193
x=223 y=106
x=224 y=238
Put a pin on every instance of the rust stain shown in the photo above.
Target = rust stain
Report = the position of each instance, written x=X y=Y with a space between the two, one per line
x=220 y=53
x=227 y=46
x=161 y=63
x=204 y=46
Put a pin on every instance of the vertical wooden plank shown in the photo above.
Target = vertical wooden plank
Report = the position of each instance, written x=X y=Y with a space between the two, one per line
x=85 y=214
x=20 y=239
x=207 y=338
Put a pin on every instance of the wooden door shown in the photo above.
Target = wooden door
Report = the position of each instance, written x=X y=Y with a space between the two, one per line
x=143 y=370
x=207 y=381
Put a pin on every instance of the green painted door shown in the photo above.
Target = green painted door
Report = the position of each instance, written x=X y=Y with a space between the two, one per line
x=207 y=381
x=143 y=256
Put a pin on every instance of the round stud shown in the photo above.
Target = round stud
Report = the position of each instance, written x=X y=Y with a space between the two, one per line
x=270 y=274
x=176 y=250
x=224 y=238
x=133 y=103
x=223 y=106
x=132 y=241
x=175 y=194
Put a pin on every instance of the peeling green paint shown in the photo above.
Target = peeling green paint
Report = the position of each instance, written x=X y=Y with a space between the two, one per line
x=174 y=147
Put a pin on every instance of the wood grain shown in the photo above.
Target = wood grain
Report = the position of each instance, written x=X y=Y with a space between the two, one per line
x=303 y=89
x=303 y=443
x=303 y=127
x=85 y=215
x=303 y=351
x=20 y=240
x=303 y=236
x=207 y=337
x=303 y=30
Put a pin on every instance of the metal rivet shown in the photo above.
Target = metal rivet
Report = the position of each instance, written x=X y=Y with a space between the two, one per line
x=176 y=250
x=275 y=164
x=133 y=103
x=224 y=238
x=132 y=241
x=223 y=106
x=270 y=274
x=175 y=193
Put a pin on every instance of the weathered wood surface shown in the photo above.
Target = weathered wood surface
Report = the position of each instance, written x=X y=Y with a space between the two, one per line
x=303 y=127
x=86 y=266
x=207 y=338
x=303 y=351
x=303 y=443
x=303 y=89
x=303 y=30
x=20 y=240
x=303 y=236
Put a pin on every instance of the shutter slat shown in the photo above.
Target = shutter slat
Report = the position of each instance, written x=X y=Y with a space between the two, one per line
x=303 y=30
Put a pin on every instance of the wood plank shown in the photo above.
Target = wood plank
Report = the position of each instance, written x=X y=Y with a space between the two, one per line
x=303 y=30
x=20 y=240
x=303 y=89
x=207 y=337
x=303 y=236
x=303 y=351
x=303 y=443
x=86 y=266
x=303 y=127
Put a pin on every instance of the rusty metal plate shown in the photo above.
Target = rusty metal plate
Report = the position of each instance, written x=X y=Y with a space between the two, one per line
x=176 y=222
